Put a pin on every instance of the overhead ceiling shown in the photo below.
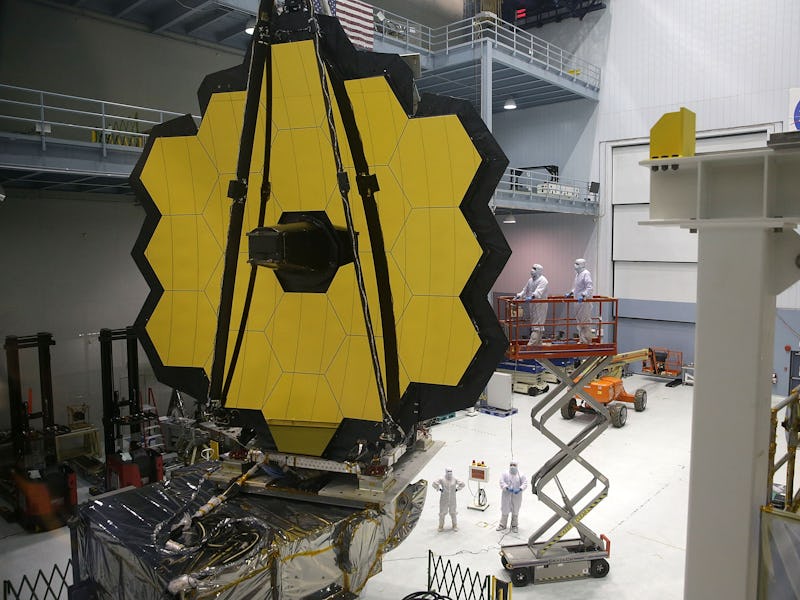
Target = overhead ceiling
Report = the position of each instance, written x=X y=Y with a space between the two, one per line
x=223 y=21
x=207 y=20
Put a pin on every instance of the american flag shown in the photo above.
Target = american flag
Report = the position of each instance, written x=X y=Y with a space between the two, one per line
x=356 y=18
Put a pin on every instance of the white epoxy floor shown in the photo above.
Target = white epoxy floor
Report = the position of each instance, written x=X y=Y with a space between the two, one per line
x=644 y=515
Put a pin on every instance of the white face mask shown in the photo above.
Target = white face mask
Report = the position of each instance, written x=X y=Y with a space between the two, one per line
x=448 y=475
x=512 y=470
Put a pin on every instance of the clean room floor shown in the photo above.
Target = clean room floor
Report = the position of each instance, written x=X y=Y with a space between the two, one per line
x=644 y=515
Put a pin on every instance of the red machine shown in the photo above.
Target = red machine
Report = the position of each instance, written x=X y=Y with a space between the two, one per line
x=43 y=492
x=135 y=469
x=138 y=465
x=609 y=390
x=46 y=502
x=662 y=362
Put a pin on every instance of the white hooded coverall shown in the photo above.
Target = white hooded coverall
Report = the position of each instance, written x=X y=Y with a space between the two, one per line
x=448 y=486
x=512 y=485
x=536 y=289
x=582 y=289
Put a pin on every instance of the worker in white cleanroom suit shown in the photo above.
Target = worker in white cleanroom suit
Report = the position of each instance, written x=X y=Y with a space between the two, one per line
x=448 y=486
x=513 y=483
x=535 y=289
x=581 y=290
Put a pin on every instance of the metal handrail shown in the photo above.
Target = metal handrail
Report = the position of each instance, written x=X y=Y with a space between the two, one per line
x=559 y=327
x=527 y=182
x=485 y=26
x=791 y=424
x=67 y=118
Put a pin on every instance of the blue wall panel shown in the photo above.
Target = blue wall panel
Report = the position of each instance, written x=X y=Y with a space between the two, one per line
x=644 y=323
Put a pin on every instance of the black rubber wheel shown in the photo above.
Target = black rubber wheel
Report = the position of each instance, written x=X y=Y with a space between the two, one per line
x=504 y=561
x=520 y=577
x=532 y=391
x=619 y=414
x=599 y=568
x=569 y=409
x=640 y=401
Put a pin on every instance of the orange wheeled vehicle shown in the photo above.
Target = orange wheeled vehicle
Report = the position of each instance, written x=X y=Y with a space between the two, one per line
x=609 y=390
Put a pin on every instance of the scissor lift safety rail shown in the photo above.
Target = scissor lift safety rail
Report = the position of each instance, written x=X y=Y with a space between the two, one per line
x=560 y=327
x=552 y=558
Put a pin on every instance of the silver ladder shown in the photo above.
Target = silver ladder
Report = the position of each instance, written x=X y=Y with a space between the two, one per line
x=151 y=427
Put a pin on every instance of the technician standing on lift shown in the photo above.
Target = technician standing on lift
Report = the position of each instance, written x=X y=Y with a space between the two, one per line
x=581 y=290
x=535 y=289
x=513 y=483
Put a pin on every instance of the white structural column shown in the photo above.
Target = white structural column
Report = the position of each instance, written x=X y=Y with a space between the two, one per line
x=486 y=82
x=744 y=207
x=730 y=417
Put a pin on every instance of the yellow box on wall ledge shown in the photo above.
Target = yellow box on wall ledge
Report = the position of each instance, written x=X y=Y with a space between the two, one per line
x=673 y=135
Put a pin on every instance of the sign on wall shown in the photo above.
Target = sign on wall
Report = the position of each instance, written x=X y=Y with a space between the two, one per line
x=793 y=122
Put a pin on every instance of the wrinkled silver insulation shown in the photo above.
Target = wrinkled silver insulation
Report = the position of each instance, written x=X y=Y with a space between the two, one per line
x=252 y=546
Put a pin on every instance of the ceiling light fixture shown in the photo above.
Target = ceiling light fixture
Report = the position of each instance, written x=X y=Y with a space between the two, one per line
x=510 y=104
x=250 y=27
x=510 y=218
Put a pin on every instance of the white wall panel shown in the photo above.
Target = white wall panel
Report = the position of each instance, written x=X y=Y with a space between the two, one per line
x=649 y=243
x=633 y=242
x=730 y=62
x=741 y=141
x=790 y=298
x=671 y=282
x=630 y=181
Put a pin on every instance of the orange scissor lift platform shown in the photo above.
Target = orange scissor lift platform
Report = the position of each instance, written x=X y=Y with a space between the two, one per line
x=548 y=556
x=560 y=328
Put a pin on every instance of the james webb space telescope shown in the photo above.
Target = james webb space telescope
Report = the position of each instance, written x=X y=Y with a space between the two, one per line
x=319 y=254
x=319 y=261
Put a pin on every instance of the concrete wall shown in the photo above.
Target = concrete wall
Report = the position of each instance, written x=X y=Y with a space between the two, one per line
x=56 y=50
x=66 y=268
x=560 y=134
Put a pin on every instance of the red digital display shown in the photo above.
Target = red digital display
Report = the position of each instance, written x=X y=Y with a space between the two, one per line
x=478 y=473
